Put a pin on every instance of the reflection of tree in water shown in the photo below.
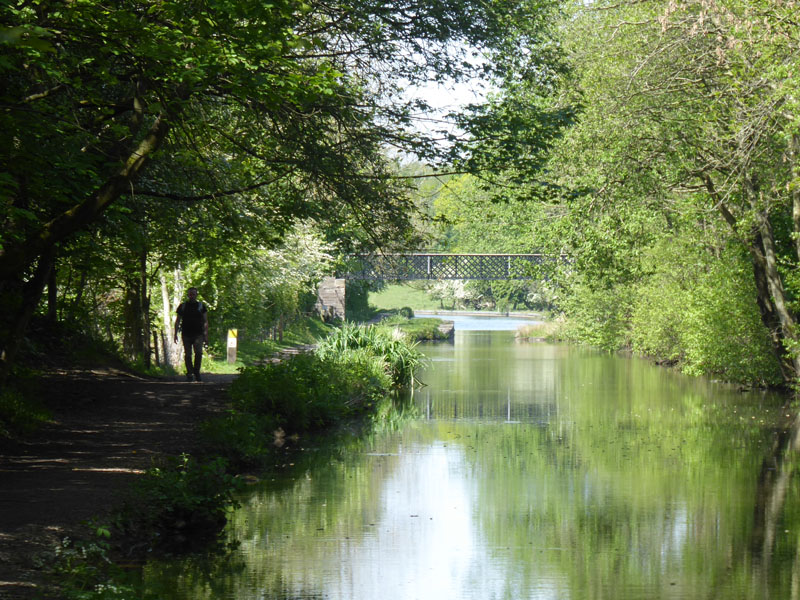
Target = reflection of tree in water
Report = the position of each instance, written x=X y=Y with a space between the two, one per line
x=769 y=514
x=774 y=482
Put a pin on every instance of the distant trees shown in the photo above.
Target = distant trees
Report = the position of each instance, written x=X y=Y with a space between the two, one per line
x=470 y=220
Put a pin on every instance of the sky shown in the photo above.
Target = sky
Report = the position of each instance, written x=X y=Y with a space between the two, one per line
x=445 y=98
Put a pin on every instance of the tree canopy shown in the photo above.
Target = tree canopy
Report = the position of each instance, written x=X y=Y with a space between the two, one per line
x=214 y=120
x=674 y=180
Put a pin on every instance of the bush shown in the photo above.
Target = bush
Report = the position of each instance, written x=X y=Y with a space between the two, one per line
x=415 y=329
x=243 y=439
x=178 y=505
x=599 y=317
x=299 y=393
x=18 y=414
x=85 y=571
x=308 y=392
x=704 y=319
x=393 y=346
x=357 y=300
x=406 y=312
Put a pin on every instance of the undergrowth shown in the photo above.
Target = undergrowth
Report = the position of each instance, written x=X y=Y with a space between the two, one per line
x=178 y=504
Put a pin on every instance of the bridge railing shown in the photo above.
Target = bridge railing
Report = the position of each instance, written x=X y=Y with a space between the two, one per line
x=449 y=266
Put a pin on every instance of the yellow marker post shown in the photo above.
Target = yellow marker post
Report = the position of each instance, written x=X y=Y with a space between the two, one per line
x=233 y=335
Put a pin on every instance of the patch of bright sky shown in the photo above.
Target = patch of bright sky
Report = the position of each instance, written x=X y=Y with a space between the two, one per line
x=447 y=97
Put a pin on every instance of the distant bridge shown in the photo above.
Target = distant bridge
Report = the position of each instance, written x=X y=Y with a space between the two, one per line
x=449 y=266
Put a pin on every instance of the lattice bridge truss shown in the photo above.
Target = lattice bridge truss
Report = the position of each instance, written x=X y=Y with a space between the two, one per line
x=451 y=266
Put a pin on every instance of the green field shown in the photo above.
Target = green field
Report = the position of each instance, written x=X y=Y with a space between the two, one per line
x=397 y=296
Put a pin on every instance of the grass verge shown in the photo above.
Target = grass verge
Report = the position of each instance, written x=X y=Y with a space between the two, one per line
x=395 y=296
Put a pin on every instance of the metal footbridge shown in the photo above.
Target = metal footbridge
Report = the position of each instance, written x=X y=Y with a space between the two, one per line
x=449 y=266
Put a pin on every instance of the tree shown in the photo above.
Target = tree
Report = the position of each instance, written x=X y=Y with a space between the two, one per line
x=267 y=111
x=684 y=135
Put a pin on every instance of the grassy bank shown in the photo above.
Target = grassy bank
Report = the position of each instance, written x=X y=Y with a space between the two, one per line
x=396 y=296
x=306 y=330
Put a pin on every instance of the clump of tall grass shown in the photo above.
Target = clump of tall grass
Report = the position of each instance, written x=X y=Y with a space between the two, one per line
x=392 y=345
x=536 y=331
x=416 y=329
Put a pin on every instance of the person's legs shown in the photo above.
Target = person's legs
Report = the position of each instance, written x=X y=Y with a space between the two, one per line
x=188 y=344
x=198 y=356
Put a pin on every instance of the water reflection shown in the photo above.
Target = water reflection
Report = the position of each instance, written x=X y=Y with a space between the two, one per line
x=534 y=471
x=483 y=323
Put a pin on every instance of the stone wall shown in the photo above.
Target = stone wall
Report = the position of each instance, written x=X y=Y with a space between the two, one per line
x=330 y=298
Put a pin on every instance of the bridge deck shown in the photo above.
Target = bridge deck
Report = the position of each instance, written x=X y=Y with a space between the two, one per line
x=449 y=266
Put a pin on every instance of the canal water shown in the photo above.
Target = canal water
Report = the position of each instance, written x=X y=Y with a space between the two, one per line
x=526 y=471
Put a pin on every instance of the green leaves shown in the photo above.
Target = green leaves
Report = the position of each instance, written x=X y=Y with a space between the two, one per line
x=27 y=37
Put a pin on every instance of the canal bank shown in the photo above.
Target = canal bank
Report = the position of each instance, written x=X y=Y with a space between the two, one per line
x=531 y=470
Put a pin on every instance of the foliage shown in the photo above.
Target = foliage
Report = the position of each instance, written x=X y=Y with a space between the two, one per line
x=266 y=287
x=681 y=138
x=19 y=415
x=85 y=571
x=406 y=312
x=453 y=294
x=242 y=438
x=599 y=317
x=418 y=329
x=308 y=393
x=352 y=375
x=401 y=356
x=356 y=300
x=650 y=125
x=150 y=138
x=178 y=505
x=704 y=319
x=301 y=331
x=474 y=219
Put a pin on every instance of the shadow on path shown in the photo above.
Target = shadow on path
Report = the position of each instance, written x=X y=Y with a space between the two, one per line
x=107 y=427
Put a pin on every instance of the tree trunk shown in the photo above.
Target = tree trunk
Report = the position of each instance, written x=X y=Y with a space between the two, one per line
x=156 y=354
x=769 y=289
x=778 y=294
x=16 y=258
x=794 y=160
x=769 y=316
x=172 y=351
x=52 y=295
x=37 y=249
x=144 y=306
x=28 y=296
x=76 y=302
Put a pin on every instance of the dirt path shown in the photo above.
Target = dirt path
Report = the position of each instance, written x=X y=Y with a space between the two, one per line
x=107 y=428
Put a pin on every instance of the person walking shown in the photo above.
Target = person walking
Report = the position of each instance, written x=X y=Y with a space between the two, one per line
x=192 y=322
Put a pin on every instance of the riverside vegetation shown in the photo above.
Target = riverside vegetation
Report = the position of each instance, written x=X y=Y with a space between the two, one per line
x=183 y=502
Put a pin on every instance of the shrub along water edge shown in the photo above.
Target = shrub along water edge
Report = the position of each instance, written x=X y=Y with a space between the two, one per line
x=185 y=500
x=348 y=376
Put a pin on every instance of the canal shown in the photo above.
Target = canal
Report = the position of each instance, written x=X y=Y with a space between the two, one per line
x=526 y=471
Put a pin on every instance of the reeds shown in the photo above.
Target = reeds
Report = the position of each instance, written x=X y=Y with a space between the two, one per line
x=536 y=331
x=401 y=356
